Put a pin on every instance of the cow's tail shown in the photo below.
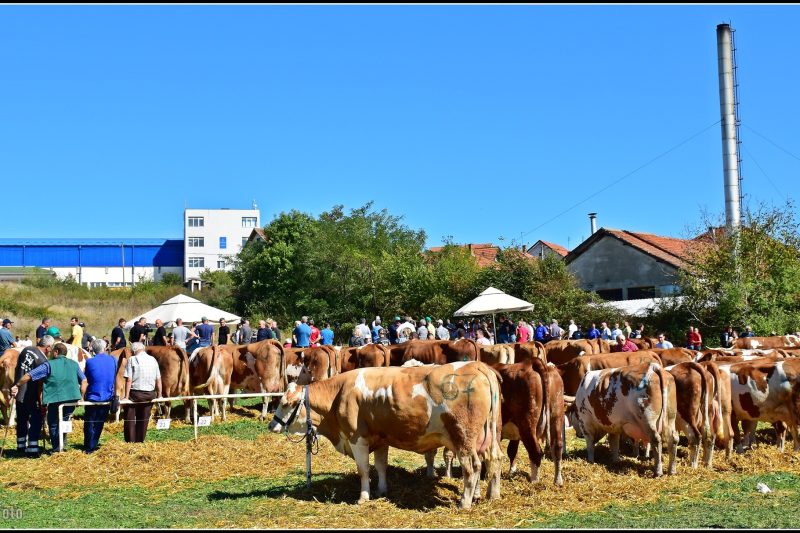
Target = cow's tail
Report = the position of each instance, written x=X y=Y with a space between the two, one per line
x=493 y=454
x=213 y=371
x=713 y=371
x=282 y=352
x=186 y=385
x=544 y=415
x=704 y=388
x=658 y=369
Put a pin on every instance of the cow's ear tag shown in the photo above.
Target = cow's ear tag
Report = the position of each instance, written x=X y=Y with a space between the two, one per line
x=465 y=358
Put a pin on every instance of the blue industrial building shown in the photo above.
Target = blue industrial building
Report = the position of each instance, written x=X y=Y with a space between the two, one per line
x=113 y=262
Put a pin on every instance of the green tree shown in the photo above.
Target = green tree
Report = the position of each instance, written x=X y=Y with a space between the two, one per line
x=749 y=277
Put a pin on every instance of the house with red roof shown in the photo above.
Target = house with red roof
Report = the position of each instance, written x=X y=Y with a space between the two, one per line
x=542 y=249
x=627 y=265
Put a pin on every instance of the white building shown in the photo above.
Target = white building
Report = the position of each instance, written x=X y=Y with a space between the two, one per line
x=213 y=236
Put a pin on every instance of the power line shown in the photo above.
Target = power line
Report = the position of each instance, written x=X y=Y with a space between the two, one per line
x=780 y=193
x=629 y=174
x=771 y=142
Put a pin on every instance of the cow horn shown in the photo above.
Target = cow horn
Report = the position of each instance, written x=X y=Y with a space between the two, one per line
x=569 y=400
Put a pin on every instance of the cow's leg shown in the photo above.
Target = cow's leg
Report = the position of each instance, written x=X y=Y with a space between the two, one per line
x=590 y=440
x=749 y=433
x=448 y=456
x=465 y=458
x=513 y=447
x=694 y=441
x=477 y=465
x=430 y=457
x=265 y=410
x=738 y=439
x=227 y=389
x=613 y=442
x=534 y=450
x=381 y=464
x=672 y=448
x=361 y=455
x=794 y=432
x=780 y=432
x=708 y=447
x=12 y=420
x=657 y=441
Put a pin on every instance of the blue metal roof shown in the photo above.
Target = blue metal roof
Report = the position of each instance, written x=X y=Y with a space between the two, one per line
x=83 y=242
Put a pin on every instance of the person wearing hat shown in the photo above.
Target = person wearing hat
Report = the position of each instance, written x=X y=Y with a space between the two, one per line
x=441 y=332
x=29 y=415
x=62 y=382
x=54 y=332
x=431 y=328
x=6 y=338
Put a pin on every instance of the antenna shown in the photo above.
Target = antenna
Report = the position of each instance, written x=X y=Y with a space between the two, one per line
x=255 y=206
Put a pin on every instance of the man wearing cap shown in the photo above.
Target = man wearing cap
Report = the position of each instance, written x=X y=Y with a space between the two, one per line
x=29 y=415
x=431 y=328
x=62 y=382
x=6 y=338
x=441 y=332
x=77 y=332
x=205 y=332
x=393 y=330
x=54 y=332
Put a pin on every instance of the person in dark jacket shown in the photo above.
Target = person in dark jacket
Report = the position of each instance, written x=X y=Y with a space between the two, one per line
x=29 y=415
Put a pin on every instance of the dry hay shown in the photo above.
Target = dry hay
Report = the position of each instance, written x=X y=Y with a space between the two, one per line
x=414 y=501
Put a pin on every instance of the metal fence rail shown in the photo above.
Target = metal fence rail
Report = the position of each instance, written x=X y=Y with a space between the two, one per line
x=193 y=398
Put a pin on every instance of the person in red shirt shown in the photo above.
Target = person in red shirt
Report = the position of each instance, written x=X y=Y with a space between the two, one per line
x=522 y=332
x=315 y=334
x=625 y=345
x=694 y=340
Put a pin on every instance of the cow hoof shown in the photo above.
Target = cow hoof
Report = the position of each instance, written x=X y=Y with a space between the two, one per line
x=559 y=481
x=362 y=500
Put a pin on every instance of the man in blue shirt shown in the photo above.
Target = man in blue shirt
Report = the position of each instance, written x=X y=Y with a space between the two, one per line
x=205 y=332
x=302 y=333
x=593 y=332
x=100 y=373
x=541 y=332
x=6 y=338
x=327 y=335
x=376 y=330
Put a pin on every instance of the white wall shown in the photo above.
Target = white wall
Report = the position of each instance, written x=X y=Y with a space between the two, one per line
x=114 y=275
x=216 y=223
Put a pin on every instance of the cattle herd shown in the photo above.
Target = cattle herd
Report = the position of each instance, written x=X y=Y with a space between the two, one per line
x=465 y=397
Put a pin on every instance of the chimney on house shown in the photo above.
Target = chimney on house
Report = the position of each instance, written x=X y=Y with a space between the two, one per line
x=592 y=217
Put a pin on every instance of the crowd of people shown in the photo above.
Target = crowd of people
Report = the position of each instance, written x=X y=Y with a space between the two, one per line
x=46 y=378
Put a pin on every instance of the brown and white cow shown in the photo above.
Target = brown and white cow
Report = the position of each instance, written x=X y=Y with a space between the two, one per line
x=765 y=390
x=173 y=363
x=694 y=388
x=210 y=371
x=258 y=367
x=525 y=351
x=434 y=352
x=573 y=371
x=8 y=365
x=778 y=341
x=367 y=356
x=674 y=356
x=492 y=354
x=599 y=345
x=720 y=412
x=561 y=351
x=417 y=409
x=638 y=401
x=318 y=363
x=645 y=343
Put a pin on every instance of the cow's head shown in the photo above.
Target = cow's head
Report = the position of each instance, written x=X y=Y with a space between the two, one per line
x=290 y=415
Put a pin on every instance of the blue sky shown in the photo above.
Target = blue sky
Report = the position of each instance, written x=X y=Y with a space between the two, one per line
x=476 y=122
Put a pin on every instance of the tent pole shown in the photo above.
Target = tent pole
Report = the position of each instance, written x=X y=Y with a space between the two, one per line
x=495 y=329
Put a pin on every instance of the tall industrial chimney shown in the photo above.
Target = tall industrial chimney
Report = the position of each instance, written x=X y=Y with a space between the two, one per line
x=730 y=126
x=592 y=217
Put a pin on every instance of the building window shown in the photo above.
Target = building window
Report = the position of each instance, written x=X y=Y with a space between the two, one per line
x=197 y=262
x=223 y=243
x=244 y=241
x=637 y=293
x=196 y=222
x=248 y=222
x=613 y=295
x=197 y=242
x=220 y=264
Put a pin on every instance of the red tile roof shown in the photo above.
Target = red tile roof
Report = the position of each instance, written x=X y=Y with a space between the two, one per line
x=484 y=253
x=668 y=249
x=560 y=250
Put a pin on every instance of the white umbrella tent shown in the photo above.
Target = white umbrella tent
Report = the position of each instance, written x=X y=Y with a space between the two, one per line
x=493 y=301
x=187 y=308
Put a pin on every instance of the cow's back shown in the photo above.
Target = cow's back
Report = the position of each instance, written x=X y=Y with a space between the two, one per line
x=572 y=372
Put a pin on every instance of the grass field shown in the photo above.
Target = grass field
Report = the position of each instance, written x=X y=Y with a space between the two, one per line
x=239 y=475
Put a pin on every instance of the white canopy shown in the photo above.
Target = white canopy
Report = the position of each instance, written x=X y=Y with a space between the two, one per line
x=493 y=301
x=187 y=308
